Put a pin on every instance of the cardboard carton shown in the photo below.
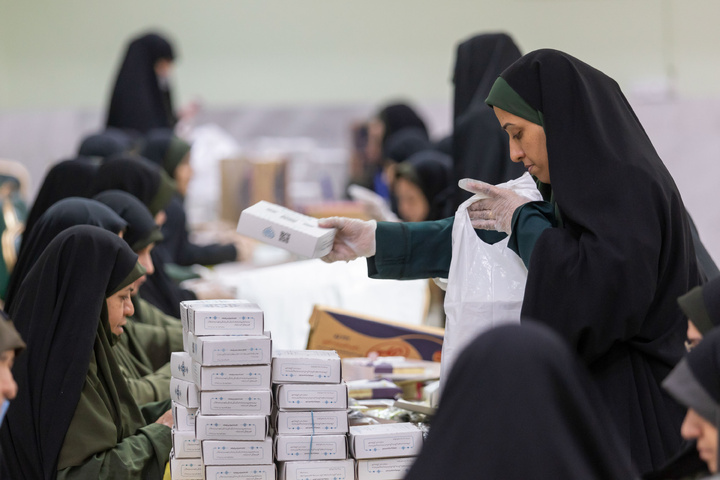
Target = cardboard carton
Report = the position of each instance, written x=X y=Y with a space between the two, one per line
x=180 y=363
x=247 y=180
x=384 y=468
x=302 y=396
x=231 y=427
x=317 y=470
x=306 y=366
x=184 y=393
x=231 y=377
x=185 y=445
x=310 y=447
x=230 y=350
x=316 y=422
x=221 y=318
x=228 y=452
x=385 y=440
x=236 y=402
x=184 y=417
x=241 y=472
x=353 y=335
x=186 y=468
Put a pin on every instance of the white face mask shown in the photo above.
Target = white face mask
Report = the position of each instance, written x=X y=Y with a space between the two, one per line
x=3 y=410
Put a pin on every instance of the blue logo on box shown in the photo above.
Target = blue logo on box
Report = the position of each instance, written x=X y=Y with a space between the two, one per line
x=269 y=232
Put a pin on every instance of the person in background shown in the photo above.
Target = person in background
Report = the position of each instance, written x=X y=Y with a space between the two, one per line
x=613 y=302
x=479 y=145
x=170 y=152
x=60 y=216
x=530 y=411
x=10 y=347
x=109 y=142
x=694 y=384
x=141 y=97
x=74 y=416
x=701 y=305
x=424 y=186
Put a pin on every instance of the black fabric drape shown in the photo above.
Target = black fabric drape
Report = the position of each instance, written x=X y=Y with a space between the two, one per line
x=111 y=141
x=479 y=145
x=518 y=405
x=161 y=291
x=62 y=215
x=68 y=178
x=608 y=280
x=63 y=307
x=397 y=116
x=138 y=101
x=402 y=144
x=142 y=229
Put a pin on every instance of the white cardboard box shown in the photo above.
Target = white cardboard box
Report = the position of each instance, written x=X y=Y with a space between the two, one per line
x=186 y=304
x=230 y=350
x=231 y=377
x=183 y=417
x=384 y=468
x=241 y=472
x=226 y=452
x=385 y=440
x=318 y=422
x=186 y=468
x=231 y=427
x=236 y=402
x=306 y=366
x=318 y=470
x=184 y=393
x=180 y=366
x=287 y=229
x=225 y=319
x=310 y=447
x=185 y=445
x=305 y=396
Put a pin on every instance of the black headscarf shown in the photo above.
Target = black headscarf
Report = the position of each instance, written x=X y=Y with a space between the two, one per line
x=402 y=144
x=142 y=229
x=518 y=405
x=138 y=101
x=132 y=174
x=397 y=116
x=68 y=178
x=432 y=172
x=479 y=145
x=62 y=215
x=165 y=149
x=80 y=268
x=608 y=280
x=111 y=141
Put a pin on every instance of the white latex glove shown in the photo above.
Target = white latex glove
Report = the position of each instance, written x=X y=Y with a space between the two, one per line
x=375 y=206
x=496 y=210
x=354 y=238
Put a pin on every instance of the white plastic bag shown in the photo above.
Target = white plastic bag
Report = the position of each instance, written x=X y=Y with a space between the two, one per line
x=486 y=283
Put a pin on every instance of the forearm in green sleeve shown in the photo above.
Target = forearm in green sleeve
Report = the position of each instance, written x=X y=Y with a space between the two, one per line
x=528 y=223
x=137 y=457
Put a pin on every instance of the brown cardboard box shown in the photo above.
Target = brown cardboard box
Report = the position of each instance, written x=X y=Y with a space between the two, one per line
x=353 y=335
x=245 y=181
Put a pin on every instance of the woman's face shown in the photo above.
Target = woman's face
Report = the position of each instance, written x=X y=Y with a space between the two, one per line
x=8 y=387
x=163 y=68
x=412 y=204
x=145 y=260
x=120 y=306
x=527 y=143
x=183 y=174
x=695 y=427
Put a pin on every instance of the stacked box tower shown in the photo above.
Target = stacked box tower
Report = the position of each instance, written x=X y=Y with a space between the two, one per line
x=222 y=393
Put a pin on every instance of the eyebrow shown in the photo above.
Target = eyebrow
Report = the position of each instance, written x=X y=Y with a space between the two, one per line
x=508 y=124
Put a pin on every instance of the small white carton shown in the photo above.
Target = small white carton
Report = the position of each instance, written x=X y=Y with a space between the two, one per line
x=318 y=470
x=230 y=350
x=184 y=393
x=183 y=417
x=241 y=318
x=180 y=366
x=186 y=345
x=186 y=468
x=306 y=396
x=384 y=468
x=241 y=472
x=287 y=229
x=385 y=440
x=227 y=452
x=235 y=377
x=236 y=402
x=231 y=427
x=317 y=422
x=310 y=447
x=185 y=445
x=306 y=366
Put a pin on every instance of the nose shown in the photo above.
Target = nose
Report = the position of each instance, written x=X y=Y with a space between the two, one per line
x=8 y=389
x=689 y=428
x=516 y=152
x=129 y=308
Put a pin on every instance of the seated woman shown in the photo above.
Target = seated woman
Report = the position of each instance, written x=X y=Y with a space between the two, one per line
x=518 y=405
x=701 y=305
x=74 y=416
x=10 y=346
x=173 y=155
x=424 y=186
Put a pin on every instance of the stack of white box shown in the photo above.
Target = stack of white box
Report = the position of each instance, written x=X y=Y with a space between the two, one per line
x=310 y=416
x=385 y=451
x=224 y=376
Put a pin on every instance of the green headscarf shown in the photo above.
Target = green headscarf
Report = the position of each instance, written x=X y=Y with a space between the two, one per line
x=165 y=191
x=177 y=149
x=503 y=96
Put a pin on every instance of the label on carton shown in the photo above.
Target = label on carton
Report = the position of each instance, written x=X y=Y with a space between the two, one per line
x=320 y=422
x=237 y=453
x=313 y=397
x=230 y=350
x=232 y=402
x=310 y=447
x=231 y=377
x=231 y=427
x=240 y=472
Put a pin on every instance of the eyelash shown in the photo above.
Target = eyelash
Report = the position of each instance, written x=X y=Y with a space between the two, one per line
x=517 y=136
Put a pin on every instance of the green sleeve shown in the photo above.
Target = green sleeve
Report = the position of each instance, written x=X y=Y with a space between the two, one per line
x=140 y=456
x=413 y=250
x=152 y=387
x=153 y=343
x=528 y=223
x=148 y=313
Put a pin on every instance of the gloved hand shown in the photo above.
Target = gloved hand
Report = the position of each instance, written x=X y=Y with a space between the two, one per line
x=354 y=238
x=496 y=210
